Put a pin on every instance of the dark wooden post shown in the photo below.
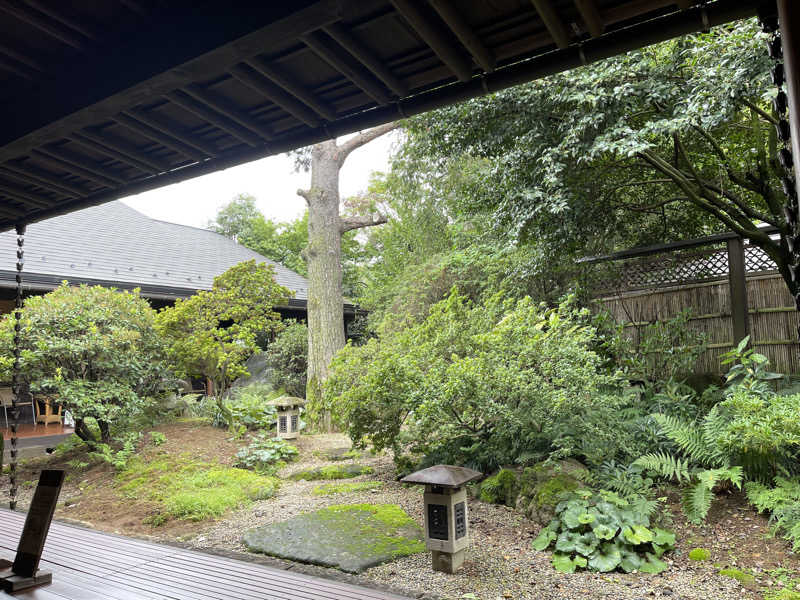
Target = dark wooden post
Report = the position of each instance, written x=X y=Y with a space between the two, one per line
x=789 y=21
x=737 y=284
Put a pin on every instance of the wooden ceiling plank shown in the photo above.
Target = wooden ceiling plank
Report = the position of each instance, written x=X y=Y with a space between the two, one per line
x=20 y=70
x=219 y=121
x=22 y=58
x=683 y=4
x=553 y=23
x=8 y=211
x=21 y=195
x=31 y=17
x=292 y=87
x=162 y=138
x=366 y=57
x=69 y=161
x=34 y=176
x=591 y=17
x=156 y=122
x=452 y=17
x=118 y=149
x=342 y=62
x=434 y=37
x=228 y=109
x=275 y=94
x=72 y=23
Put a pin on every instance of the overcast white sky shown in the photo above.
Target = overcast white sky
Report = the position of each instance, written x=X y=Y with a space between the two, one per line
x=271 y=180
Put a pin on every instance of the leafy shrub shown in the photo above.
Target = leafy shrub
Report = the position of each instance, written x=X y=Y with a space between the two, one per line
x=287 y=356
x=500 y=488
x=248 y=409
x=660 y=351
x=783 y=502
x=264 y=453
x=96 y=349
x=479 y=384
x=602 y=532
x=117 y=457
x=157 y=438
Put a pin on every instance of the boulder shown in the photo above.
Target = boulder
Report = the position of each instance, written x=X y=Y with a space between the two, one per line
x=541 y=487
x=256 y=365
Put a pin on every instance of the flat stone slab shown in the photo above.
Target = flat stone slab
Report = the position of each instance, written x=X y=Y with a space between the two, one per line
x=346 y=471
x=351 y=537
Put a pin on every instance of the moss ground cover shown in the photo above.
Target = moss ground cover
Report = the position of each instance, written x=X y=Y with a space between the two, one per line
x=333 y=472
x=191 y=489
x=331 y=489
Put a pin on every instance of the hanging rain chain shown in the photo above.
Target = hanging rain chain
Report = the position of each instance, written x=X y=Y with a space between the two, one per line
x=15 y=375
x=781 y=104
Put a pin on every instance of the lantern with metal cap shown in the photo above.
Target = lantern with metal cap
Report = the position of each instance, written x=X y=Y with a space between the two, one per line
x=287 y=420
x=446 y=516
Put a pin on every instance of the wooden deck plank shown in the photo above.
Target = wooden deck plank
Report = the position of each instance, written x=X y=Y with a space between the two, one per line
x=90 y=565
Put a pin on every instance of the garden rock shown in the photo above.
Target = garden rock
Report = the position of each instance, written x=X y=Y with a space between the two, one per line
x=542 y=484
x=351 y=538
x=333 y=472
x=256 y=365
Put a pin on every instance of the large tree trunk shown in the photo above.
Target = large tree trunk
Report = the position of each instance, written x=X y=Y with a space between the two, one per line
x=324 y=258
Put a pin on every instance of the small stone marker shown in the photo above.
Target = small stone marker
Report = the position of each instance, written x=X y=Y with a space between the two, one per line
x=24 y=571
x=446 y=516
x=287 y=424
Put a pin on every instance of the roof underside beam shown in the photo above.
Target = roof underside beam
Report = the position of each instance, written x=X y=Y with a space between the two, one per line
x=553 y=23
x=451 y=15
x=591 y=16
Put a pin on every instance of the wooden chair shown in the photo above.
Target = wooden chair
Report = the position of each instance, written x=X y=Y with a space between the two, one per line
x=49 y=416
x=7 y=399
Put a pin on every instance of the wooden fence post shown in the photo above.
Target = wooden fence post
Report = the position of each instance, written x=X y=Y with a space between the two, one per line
x=737 y=283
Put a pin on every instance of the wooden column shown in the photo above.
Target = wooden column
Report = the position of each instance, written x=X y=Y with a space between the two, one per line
x=737 y=284
x=789 y=20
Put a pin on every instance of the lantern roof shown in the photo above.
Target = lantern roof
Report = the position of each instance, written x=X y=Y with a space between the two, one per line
x=448 y=476
x=287 y=401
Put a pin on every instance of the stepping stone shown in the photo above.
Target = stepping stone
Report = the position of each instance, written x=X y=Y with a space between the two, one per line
x=351 y=538
x=333 y=472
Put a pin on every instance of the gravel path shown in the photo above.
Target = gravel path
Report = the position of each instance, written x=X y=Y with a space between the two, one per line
x=500 y=562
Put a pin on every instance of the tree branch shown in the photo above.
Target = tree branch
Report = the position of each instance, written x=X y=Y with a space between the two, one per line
x=305 y=194
x=359 y=222
x=365 y=137
x=760 y=111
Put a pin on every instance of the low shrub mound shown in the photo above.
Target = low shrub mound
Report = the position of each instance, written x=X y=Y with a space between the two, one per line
x=333 y=472
x=602 y=532
x=332 y=489
x=541 y=487
x=192 y=490
x=265 y=454
x=352 y=538
x=500 y=488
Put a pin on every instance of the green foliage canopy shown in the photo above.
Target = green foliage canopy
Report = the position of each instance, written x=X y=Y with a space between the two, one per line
x=95 y=350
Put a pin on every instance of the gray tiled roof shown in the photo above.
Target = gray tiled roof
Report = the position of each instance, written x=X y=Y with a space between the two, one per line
x=115 y=243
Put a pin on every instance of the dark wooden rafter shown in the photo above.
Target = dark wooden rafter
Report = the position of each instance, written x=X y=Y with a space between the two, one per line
x=275 y=94
x=43 y=23
x=64 y=158
x=20 y=57
x=20 y=194
x=119 y=149
x=683 y=4
x=32 y=175
x=342 y=62
x=8 y=211
x=435 y=37
x=591 y=16
x=162 y=138
x=293 y=88
x=451 y=15
x=552 y=21
x=366 y=57
x=228 y=109
x=17 y=69
x=58 y=15
x=209 y=115
x=151 y=118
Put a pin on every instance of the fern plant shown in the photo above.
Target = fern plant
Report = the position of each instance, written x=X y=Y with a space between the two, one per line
x=783 y=502
x=703 y=466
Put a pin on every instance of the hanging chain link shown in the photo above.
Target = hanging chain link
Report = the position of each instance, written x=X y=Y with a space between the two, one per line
x=791 y=214
x=16 y=384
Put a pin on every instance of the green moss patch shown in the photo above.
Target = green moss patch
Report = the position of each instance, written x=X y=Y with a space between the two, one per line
x=699 y=554
x=741 y=576
x=192 y=490
x=338 y=454
x=351 y=538
x=333 y=472
x=331 y=489
x=782 y=594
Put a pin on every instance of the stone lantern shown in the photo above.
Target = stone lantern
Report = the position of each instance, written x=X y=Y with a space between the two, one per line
x=446 y=516
x=287 y=421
